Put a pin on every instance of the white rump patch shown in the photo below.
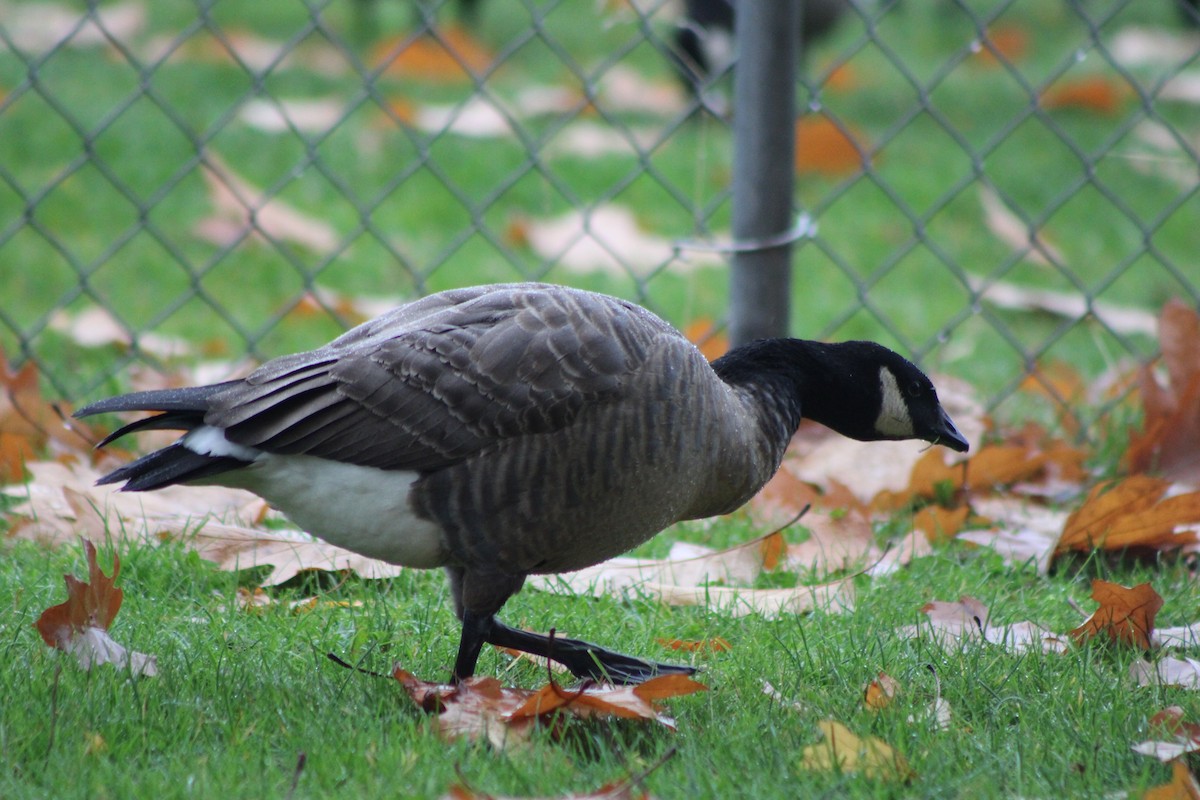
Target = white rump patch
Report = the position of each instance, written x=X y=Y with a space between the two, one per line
x=210 y=441
x=893 y=419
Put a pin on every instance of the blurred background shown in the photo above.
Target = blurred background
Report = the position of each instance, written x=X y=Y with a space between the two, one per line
x=1005 y=191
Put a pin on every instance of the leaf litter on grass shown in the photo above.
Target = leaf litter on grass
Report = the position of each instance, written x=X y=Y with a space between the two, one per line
x=79 y=625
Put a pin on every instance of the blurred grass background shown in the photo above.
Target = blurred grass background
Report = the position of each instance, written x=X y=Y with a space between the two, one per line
x=103 y=188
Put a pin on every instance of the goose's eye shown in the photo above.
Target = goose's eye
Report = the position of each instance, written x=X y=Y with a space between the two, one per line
x=915 y=389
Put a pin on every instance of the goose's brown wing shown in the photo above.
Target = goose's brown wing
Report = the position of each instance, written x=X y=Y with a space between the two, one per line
x=442 y=378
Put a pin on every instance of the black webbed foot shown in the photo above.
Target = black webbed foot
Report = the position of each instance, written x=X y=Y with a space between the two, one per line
x=583 y=659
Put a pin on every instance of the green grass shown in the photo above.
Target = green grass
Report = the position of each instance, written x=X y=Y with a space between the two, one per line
x=241 y=695
x=889 y=261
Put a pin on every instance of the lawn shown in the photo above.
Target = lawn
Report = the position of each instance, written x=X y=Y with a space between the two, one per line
x=104 y=200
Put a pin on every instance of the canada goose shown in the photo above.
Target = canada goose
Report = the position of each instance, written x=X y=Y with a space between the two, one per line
x=505 y=430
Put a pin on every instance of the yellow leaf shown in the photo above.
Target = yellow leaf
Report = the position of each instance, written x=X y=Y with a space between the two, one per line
x=842 y=751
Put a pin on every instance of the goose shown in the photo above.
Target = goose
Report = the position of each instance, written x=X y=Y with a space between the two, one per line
x=507 y=430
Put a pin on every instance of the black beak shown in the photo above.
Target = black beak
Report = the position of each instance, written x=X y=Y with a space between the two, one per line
x=944 y=433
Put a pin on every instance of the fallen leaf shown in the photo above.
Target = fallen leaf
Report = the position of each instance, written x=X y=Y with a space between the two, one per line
x=285 y=116
x=1182 y=673
x=1021 y=532
x=95 y=326
x=37 y=28
x=29 y=424
x=80 y=625
x=1134 y=512
x=481 y=708
x=1001 y=43
x=1184 y=636
x=1073 y=306
x=1015 y=232
x=832 y=598
x=1185 y=736
x=241 y=209
x=686 y=565
x=842 y=752
x=940 y=524
x=1098 y=93
x=287 y=553
x=449 y=55
x=1134 y=46
x=829 y=148
x=952 y=625
x=1182 y=786
x=713 y=645
x=1126 y=615
x=881 y=692
x=1170 y=439
x=607 y=238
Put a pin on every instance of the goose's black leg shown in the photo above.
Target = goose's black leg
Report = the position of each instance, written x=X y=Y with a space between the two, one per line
x=585 y=660
x=476 y=629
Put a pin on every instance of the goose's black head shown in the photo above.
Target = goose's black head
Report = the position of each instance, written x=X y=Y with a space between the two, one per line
x=862 y=390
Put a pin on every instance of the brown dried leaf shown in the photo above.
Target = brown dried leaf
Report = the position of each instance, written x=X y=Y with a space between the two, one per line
x=80 y=625
x=481 y=708
x=1131 y=513
x=29 y=424
x=1170 y=440
x=843 y=752
x=940 y=524
x=1184 y=736
x=1126 y=615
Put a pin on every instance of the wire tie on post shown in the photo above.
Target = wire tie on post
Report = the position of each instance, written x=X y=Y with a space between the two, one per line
x=805 y=228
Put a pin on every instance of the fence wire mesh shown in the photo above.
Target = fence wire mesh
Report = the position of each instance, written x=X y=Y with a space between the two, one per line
x=997 y=188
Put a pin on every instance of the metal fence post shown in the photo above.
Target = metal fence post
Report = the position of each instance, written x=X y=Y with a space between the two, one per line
x=763 y=158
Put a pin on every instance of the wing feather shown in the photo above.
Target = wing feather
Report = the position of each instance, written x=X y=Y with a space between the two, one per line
x=438 y=380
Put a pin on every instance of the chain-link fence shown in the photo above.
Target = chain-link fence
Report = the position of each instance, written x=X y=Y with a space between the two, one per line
x=1002 y=189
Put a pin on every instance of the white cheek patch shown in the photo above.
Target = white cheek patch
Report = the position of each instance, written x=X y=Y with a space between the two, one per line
x=893 y=419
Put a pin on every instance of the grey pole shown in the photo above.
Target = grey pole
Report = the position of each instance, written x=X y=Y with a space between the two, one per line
x=763 y=166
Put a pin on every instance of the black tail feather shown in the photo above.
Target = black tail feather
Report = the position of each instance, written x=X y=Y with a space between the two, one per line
x=172 y=464
x=170 y=421
x=194 y=399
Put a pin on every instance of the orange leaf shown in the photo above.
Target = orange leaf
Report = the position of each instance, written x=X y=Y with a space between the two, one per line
x=1007 y=42
x=881 y=692
x=451 y=55
x=89 y=605
x=940 y=524
x=705 y=334
x=1096 y=93
x=1129 y=513
x=1170 y=441
x=826 y=148
x=1125 y=615
x=1182 y=786
x=714 y=645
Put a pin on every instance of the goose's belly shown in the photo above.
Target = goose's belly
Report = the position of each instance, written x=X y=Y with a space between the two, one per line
x=363 y=509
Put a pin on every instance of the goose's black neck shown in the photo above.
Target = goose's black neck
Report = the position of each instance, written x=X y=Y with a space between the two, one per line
x=827 y=383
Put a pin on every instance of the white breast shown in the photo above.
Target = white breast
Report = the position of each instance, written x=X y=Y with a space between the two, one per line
x=362 y=509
